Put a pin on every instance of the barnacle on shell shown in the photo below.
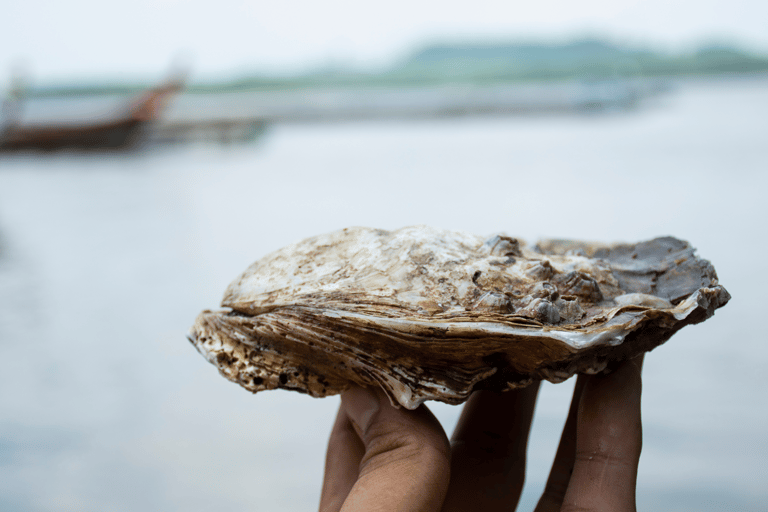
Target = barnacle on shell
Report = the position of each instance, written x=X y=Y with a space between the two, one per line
x=428 y=314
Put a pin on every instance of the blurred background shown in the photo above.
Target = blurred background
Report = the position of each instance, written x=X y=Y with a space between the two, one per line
x=150 y=151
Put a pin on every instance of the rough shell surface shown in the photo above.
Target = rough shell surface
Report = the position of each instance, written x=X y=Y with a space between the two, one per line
x=429 y=314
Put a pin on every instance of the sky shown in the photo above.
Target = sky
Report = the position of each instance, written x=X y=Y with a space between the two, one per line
x=53 y=40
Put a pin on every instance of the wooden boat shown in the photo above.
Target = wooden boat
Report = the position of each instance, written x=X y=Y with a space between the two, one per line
x=123 y=130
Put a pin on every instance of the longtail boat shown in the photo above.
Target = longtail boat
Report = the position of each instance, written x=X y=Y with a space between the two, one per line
x=123 y=130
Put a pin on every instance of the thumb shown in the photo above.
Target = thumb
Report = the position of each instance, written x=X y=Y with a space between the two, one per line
x=406 y=460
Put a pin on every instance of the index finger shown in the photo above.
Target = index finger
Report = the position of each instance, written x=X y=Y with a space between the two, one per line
x=402 y=457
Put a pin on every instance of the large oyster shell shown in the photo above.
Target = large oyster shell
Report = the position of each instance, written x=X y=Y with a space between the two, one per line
x=431 y=315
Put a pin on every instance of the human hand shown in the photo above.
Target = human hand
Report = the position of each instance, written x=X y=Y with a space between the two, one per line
x=385 y=459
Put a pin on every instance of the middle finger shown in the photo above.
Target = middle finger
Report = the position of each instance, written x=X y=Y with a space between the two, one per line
x=488 y=450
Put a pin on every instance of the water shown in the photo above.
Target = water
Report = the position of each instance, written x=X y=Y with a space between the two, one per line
x=105 y=261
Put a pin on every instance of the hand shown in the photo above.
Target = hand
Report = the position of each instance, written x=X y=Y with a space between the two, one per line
x=386 y=459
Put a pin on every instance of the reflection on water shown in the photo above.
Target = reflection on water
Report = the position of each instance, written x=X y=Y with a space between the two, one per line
x=105 y=262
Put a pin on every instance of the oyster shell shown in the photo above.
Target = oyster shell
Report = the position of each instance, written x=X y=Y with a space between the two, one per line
x=429 y=314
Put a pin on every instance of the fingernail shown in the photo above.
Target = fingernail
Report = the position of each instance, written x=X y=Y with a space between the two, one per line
x=361 y=404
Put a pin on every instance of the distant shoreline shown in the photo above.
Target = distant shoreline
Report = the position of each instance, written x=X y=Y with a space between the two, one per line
x=481 y=64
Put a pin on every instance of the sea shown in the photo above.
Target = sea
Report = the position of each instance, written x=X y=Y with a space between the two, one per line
x=106 y=259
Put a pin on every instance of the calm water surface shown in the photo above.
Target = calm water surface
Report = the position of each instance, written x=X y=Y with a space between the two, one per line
x=105 y=262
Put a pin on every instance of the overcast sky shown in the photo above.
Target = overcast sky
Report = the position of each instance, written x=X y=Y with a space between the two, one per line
x=62 y=40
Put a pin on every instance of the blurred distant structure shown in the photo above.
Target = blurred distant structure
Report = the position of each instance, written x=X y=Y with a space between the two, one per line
x=120 y=130
x=11 y=112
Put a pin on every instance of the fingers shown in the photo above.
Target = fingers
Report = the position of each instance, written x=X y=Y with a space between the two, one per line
x=608 y=442
x=489 y=450
x=401 y=461
x=560 y=474
x=382 y=458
